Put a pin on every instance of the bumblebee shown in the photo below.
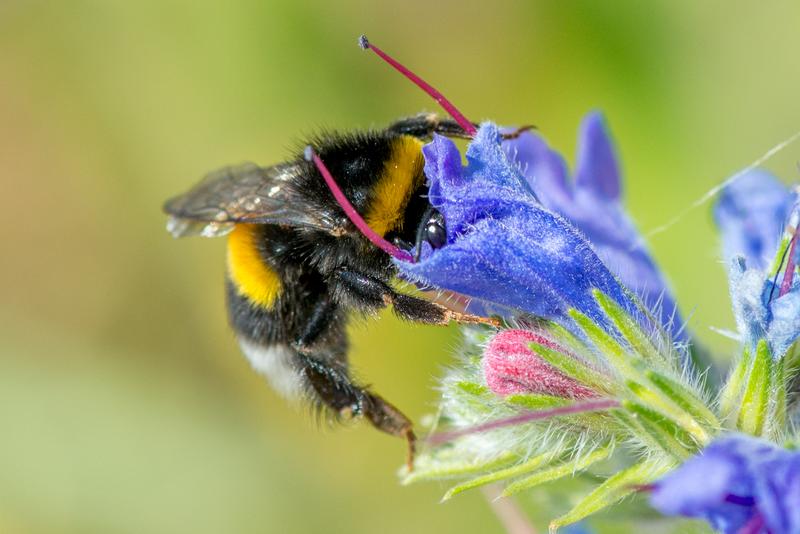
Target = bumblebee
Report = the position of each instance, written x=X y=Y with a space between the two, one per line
x=297 y=266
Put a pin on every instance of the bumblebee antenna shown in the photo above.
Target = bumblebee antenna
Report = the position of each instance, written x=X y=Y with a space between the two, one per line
x=351 y=212
x=422 y=84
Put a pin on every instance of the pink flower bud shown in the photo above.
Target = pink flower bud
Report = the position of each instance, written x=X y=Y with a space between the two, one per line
x=510 y=366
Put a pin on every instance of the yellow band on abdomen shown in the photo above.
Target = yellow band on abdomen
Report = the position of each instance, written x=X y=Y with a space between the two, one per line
x=248 y=271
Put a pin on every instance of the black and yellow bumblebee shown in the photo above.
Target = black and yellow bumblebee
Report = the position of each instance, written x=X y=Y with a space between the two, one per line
x=297 y=266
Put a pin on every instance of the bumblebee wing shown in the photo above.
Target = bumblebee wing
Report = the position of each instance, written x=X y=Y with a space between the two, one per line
x=244 y=193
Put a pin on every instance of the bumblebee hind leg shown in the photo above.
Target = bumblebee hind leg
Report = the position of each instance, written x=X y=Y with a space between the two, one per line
x=334 y=389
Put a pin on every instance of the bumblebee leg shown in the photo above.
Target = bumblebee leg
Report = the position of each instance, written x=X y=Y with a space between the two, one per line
x=425 y=125
x=372 y=294
x=323 y=314
x=519 y=131
x=334 y=388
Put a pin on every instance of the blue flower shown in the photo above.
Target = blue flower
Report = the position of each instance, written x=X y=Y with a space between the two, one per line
x=592 y=203
x=736 y=481
x=752 y=213
x=504 y=248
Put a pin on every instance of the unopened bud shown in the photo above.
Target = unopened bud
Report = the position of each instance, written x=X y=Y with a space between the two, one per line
x=511 y=367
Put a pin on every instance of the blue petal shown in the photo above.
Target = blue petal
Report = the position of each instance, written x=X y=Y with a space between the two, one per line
x=734 y=478
x=593 y=205
x=504 y=248
x=597 y=170
x=751 y=213
x=784 y=328
x=748 y=301
x=777 y=483
x=759 y=310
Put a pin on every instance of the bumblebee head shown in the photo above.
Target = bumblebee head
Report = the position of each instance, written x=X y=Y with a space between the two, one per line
x=430 y=227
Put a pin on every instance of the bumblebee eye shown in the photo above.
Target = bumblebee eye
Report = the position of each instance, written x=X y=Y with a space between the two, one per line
x=431 y=230
x=435 y=234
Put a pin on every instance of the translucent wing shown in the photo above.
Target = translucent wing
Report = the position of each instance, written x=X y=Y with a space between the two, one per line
x=244 y=193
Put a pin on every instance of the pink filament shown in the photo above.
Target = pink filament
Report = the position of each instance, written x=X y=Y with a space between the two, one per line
x=422 y=84
x=538 y=415
x=353 y=215
x=788 y=275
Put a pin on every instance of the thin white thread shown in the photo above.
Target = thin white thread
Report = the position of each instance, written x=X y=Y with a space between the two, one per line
x=716 y=189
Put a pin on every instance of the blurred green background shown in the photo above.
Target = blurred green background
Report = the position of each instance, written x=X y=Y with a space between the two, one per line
x=124 y=403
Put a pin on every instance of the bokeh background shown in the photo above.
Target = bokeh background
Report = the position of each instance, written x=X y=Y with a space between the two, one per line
x=124 y=403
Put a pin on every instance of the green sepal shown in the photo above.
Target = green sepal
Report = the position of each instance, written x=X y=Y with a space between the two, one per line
x=613 y=490
x=779 y=409
x=571 y=366
x=559 y=471
x=535 y=401
x=670 y=437
x=780 y=255
x=611 y=350
x=564 y=337
x=629 y=328
x=755 y=400
x=472 y=388
x=684 y=398
x=658 y=401
x=502 y=474
x=439 y=470
x=636 y=430
x=732 y=390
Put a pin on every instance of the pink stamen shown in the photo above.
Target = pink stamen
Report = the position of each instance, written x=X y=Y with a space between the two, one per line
x=422 y=84
x=351 y=212
x=580 y=407
x=754 y=525
x=791 y=264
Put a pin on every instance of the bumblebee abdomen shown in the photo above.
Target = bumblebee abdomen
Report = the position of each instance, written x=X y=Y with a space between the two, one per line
x=248 y=271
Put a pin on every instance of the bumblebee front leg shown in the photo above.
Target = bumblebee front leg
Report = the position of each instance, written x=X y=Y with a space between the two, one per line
x=334 y=388
x=425 y=125
x=370 y=294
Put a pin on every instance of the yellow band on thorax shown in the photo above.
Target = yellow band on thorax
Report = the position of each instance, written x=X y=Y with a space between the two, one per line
x=402 y=174
x=250 y=274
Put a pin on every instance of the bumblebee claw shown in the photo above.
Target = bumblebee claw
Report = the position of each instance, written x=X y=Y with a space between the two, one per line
x=412 y=449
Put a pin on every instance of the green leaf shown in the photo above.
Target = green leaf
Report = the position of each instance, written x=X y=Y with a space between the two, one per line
x=520 y=469
x=572 y=367
x=565 y=469
x=683 y=397
x=613 y=490
x=755 y=400
x=664 y=431
x=629 y=328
